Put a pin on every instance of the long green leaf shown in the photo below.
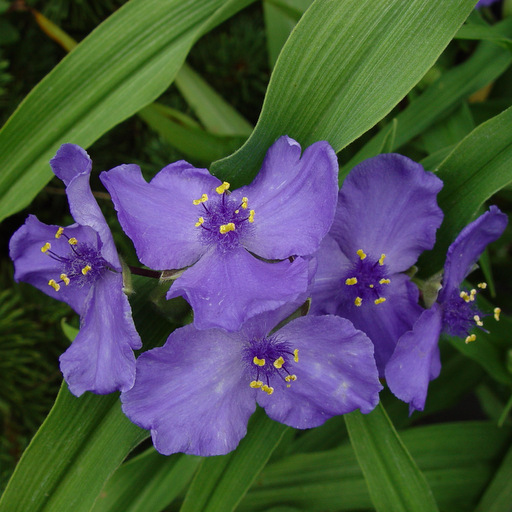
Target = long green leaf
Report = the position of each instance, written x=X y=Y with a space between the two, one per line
x=123 y=65
x=345 y=66
x=393 y=478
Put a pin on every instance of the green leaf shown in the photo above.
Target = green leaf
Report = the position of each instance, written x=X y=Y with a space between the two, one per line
x=123 y=65
x=324 y=83
x=483 y=32
x=222 y=482
x=393 y=478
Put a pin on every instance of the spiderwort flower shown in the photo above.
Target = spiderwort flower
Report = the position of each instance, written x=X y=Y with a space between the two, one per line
x=387 y=215
x=187 y=218
x=415 y=360
x=197 y=392
x=483 y=3
x=79 y=265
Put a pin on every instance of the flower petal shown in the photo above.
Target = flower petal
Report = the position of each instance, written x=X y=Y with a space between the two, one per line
x=387 y=205
x=336 y=373
x=227 y=288
x=415 y=361
x=193 y=393
x=471 y=242
x=101 y=358
x=159 y=216
x=294 y=199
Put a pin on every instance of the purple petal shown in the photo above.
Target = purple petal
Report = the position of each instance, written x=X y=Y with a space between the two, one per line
x=483 y=3
x=159 y=216
x=73 y=166
x=468 y=247
x=387 y=205
x=384 y=323
x=37 y=268
x=336 y=373
x=227 y=288
x=293 y=198
x=415 y=361
x=101 y=358
x=193 y=393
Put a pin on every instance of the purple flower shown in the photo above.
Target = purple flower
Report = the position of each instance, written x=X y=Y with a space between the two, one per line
x=79 y=265
x=197 y=392
x=387 y=215
x=483 y=3
x=415 y=361
x=187 y=218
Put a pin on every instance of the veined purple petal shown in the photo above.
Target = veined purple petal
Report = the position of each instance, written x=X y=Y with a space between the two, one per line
x=101 y=359
x=160 y=216
x=335 y=373
x=293 y=199
x=471 y=242
x=227 y=288
x=193 y=393
x=387 y=205
x=415 y=361
x=69 y=162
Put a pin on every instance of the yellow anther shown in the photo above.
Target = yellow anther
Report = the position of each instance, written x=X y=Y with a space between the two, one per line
x=251 y=216
x=465 y=296
x=384 y=281
x=237 y=211
x=497 y=312
x=222 y=188
x=86 y=269
x=351 y=280
x=278 y=363
x=477 y=320
x=245 y=203
x=65 y=278
x=472 y=295
x=296 y=355
x=370 y=285
x=256 y=384
x=358 y=301
x=226 y=228
x=482 y=286
x=380 y=300
x=54 y=284
x=361 y=254
x=59 y=232
x=470 y=338
x=199 y=222
x=72 y=241
x=381 y=259
x=268 y=389
x=258 y=362
x=290 y=378
x=46 y=247
x=203 y=199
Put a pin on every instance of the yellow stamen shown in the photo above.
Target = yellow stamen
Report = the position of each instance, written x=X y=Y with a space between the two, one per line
x=380 y=300
x=237 y=211
x=251 y=216
x=54 y=284
x=384 y=281
x=497 y=312
x=471 y=338
x=65 y=278
x=290 y=378
x=258 y=362
x=483 y=286
x=477 y=320
x=381 y=259
x=199 y=222
x=472 y=295
x=226 y=228
x=46 y=247
x=278 y=363
x=256 y=384
x=86 y=269
x=245 y=203
x=222 y=188
x=203 y=199
x=59 y=232
x=351 y=280
x=72 y=241
x=296 y=355
x=465 y=296
x=361 y=254
x=370 y=285
x=268 y=389
x=358 y=301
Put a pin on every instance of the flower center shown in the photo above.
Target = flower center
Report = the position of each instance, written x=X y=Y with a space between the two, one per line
x=80 y=265
x=223 y=221
x=268 y=359
x=367 y=280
